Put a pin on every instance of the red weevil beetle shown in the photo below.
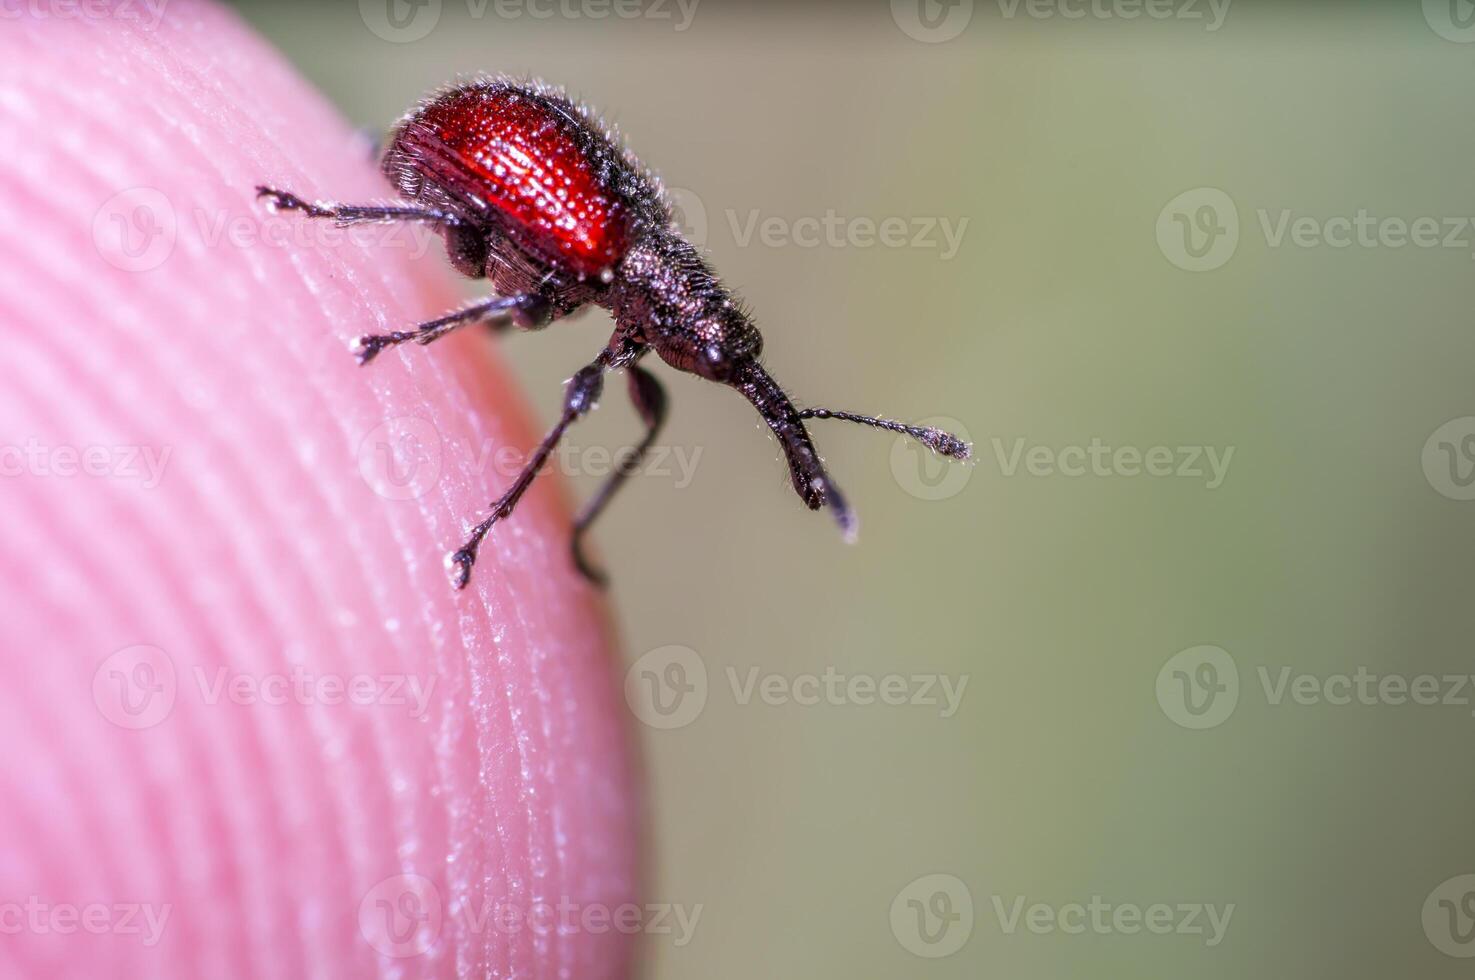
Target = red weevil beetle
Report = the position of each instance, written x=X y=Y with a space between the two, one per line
x=530 y=191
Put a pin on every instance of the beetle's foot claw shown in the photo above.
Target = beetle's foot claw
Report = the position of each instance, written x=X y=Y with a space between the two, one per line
x=458 y=565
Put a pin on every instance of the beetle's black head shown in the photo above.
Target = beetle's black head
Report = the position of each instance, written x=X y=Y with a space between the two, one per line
x=665 y=296
x=715 y=345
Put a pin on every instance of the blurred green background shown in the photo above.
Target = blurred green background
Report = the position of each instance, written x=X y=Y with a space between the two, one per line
x=1320 y=348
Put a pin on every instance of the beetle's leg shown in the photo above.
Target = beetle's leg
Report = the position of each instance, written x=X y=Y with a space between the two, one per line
x=649 y=399
x=352 y=214
x=579 y=397
x=527 y=312
x=935 y=439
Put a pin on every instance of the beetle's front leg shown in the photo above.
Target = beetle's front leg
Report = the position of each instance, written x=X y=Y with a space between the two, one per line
x=352 y=214
x=579 y=397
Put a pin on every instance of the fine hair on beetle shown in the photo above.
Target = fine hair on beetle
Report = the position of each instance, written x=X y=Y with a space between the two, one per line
x=531 y=192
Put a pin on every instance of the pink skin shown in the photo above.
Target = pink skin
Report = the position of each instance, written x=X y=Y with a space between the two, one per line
x=269 y=822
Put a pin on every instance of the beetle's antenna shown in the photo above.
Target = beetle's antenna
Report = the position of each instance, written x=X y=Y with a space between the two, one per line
x=937 y=440
x=811 y=482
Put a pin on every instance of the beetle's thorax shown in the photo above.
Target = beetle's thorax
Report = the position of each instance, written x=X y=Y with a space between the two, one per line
x=666 y=296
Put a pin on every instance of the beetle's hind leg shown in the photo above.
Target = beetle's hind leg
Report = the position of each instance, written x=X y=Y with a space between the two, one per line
x=649 y=399
x=526 y=312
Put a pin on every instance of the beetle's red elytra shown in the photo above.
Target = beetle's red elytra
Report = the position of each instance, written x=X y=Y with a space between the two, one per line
x=532 y=192
x=507 y=153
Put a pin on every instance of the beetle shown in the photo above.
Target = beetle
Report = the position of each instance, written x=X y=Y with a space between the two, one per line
x=530 y=191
